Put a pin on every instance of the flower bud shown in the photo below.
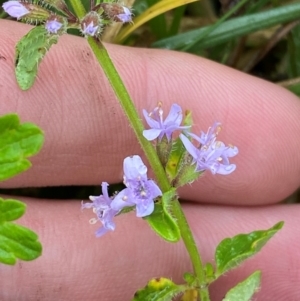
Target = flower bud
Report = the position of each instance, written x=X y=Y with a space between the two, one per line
x=115 y=12
x=26 y=11
x=15 y=9
x=56 y=24
x=91 y=24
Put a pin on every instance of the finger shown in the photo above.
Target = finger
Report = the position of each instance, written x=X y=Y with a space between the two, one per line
x=87 y=136
x=77 y=266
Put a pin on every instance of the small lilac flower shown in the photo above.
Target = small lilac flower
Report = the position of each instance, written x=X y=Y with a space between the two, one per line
x=159 y=128
x=140 y=191
x=125 y=16
x=90 y=29
x=102 y=208
x=53 y=26
x=211 y=154
x=15 y=9
x=210 y=136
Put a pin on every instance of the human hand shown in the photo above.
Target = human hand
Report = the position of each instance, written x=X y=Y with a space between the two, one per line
x=87 y=138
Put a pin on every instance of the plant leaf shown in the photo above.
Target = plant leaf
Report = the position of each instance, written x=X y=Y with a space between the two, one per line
x=30 y=51
x=17 y=141
x=233 y=251
x=245 y=290
x=231 y=29
x=293 y=52
x=16 y=242
x=162 y=222
x=176 y=156
x=159 y=289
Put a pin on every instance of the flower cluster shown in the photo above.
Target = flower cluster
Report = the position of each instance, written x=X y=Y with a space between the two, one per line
x=210 y=154
x=140 y=192
x=91 y=25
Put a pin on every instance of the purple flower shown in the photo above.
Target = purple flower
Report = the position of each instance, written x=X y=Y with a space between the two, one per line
x=210 y=136
x=140 y=191
x=125 y=16
x=90 y=29
x=53 y=26
x=15 y=9
x=102 y=208
x=159 y=128
x=211 y=154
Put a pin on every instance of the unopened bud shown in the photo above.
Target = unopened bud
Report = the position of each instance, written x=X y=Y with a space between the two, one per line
x=15 y=9
x=26 y=11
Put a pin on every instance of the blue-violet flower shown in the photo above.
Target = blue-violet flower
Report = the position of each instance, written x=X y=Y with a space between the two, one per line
x=140 y=191
x=209 y=137
x=159 y=128
x=90 y=29
x=102 y=208
x=211 y=154
x=15 y=9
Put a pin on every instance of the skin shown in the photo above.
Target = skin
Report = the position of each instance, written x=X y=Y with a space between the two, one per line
x=87 y=138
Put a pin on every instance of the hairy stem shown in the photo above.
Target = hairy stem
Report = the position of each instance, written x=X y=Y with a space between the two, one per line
x=137 y=125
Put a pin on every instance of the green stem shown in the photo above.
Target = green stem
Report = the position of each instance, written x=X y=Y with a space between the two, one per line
x=78 y=7
x=191 y=246
x=137 y=125
x=130 y=110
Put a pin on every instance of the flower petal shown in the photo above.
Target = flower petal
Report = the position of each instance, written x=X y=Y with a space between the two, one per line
x=122 y=199
x=151 y=134
x=193 y=151
x=175 y=115
x=144 y=209
x=134 y=168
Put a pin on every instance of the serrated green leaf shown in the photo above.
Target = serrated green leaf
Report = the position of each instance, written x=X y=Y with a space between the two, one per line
x=11 y=210
x=30 y=51
x=16 y=242
x=159 y=289
x=231 y=29
x=245 y=290
x=17 y=141
x=162 y=222
x=233 y=251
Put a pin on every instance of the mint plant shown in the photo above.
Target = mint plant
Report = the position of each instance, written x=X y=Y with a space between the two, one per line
x=176 y=155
